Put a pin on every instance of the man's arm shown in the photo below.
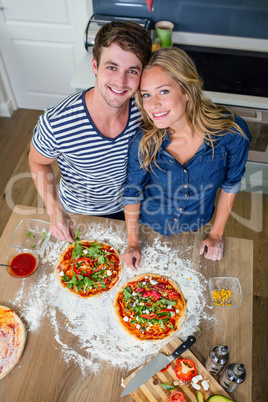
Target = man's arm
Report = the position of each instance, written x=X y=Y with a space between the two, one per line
x=132 y=254
x=212 y=246
x=61 y=225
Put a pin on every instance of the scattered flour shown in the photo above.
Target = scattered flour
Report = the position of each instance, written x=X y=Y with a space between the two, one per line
x=93 y=333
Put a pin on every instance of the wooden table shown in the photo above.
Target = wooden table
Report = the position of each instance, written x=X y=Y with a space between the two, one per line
x=42 y=375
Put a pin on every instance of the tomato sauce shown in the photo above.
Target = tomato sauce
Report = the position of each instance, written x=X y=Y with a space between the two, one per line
x=23 y=264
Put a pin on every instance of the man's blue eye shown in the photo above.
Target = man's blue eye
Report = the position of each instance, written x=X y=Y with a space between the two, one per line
x=133 y=72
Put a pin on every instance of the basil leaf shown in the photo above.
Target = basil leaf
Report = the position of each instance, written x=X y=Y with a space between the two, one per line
x=168 y=387
x=127 y=294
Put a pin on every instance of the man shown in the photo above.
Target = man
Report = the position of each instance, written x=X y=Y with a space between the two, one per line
x=89 y=132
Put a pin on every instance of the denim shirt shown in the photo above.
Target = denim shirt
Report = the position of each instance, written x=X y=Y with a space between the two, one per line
x=175 y=197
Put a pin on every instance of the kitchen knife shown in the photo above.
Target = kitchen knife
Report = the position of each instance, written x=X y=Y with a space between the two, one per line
x=155 y=365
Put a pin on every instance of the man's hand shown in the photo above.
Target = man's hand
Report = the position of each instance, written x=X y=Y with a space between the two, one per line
x=132 y=257
x=212 y=247
x=62 y=226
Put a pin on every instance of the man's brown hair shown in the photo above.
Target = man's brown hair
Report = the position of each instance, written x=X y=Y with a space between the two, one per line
x=129 y=36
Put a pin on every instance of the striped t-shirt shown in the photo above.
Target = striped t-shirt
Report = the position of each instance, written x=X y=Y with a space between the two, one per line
x=93 y=167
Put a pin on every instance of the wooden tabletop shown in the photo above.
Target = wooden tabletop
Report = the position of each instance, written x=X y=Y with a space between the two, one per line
x=42 y=374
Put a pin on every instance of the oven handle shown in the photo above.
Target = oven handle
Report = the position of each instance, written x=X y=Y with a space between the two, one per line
x=257 y=118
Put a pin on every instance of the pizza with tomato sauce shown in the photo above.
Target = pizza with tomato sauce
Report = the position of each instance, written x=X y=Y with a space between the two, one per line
x=150 y=308
x=12 y=340
x=88 y=269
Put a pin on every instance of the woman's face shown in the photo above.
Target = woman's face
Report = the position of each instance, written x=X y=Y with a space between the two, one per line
x=163 y=99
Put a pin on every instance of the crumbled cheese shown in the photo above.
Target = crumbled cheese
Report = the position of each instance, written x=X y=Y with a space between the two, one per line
x=125 y=319
x=109 y=273
x=61 y=273
x=222 y=297
x=176 y=383
x=153 y=282
x=205 y=385
x=197 y=378
x=138 y=326
x=196 y=386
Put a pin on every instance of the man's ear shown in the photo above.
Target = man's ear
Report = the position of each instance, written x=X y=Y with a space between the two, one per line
x=94 y=66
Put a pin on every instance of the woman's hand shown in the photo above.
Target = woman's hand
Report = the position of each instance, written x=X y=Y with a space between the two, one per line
x=212 y=248
x=132 y=256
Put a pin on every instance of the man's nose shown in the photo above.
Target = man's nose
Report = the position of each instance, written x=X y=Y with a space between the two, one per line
x=122 y=78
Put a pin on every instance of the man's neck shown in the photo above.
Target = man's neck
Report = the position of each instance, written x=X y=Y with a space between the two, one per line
x=110 y=121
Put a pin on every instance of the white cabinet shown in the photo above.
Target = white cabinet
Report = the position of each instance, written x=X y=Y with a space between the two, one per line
x=41 y=46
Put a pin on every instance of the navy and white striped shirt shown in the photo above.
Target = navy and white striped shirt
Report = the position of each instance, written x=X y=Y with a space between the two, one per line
x=93 y=167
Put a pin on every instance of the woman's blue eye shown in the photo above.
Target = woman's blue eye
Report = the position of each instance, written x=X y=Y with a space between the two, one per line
x=164 y=91
x=145 y=95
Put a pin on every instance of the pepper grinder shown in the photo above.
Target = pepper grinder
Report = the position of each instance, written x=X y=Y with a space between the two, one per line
x=233 y=375
x=217 y=358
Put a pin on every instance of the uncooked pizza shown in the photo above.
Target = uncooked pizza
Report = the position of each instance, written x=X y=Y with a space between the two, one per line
x=150 y=308
x=12 y=340
x=88 y=269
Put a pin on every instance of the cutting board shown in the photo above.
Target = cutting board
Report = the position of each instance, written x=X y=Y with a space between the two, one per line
x=149 y=392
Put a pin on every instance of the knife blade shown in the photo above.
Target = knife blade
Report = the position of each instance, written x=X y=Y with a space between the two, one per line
x=155 y=365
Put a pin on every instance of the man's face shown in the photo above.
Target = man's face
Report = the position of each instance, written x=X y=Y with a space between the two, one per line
x=117 y=76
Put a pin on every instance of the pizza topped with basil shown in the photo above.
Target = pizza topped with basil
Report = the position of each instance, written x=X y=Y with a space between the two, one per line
x=88 y=268
x=150 y=307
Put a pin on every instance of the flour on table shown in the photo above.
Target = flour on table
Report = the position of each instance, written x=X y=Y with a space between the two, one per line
x=92 y=323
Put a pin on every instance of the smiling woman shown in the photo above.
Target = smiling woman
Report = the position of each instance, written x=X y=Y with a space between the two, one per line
x=186 y=150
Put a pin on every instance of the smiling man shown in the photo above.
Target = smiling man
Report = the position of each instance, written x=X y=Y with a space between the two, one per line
x=88 y=133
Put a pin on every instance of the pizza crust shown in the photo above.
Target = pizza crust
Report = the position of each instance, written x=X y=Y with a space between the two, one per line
x=182 y=308
x=60 y=260
x=12 y=340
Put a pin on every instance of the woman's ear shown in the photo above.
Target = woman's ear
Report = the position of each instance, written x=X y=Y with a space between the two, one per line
x=94 y=66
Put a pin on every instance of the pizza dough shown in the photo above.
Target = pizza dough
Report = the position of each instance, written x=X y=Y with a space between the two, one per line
x=150 y=308
x=12 y=340
x=88 y=269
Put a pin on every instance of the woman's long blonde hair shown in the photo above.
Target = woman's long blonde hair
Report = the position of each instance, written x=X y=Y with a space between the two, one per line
x=202 y=115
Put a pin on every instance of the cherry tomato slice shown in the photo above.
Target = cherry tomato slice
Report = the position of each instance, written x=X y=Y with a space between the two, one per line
x=176 y=396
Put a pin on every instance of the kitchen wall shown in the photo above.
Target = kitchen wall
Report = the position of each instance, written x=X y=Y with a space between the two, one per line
x=241 y=18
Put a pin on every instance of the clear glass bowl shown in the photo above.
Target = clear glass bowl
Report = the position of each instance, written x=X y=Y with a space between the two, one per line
x=225 y=292
x=25 y=267
x=31 y=234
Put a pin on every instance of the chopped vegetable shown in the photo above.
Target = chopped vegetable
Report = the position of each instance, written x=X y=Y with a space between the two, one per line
x=185 y=369
x=177 y=396
x=165 y=368
x=30 y=235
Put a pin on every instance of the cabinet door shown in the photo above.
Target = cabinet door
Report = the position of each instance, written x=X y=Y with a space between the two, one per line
x=41 y=47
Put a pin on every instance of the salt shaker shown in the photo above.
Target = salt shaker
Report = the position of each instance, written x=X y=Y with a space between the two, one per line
x=217 y=358
x=233 y=375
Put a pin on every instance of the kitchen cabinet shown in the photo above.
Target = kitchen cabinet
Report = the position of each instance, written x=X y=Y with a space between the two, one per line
x=41 y=47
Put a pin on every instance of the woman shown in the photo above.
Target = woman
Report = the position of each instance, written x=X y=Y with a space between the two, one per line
x=186 y=150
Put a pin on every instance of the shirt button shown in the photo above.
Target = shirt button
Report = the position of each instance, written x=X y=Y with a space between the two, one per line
x=185 y=195
x=185 y=186
x=175 y=219
x=180 y=209
x=185 y=171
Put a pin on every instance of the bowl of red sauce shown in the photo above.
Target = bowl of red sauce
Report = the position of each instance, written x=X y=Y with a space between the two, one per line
x=23 y=264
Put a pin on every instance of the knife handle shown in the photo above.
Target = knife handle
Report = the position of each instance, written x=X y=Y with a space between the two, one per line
x=184 y=346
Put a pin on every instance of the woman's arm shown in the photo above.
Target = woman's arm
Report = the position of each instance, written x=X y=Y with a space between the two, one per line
x=212 y=246
x=132 y=254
